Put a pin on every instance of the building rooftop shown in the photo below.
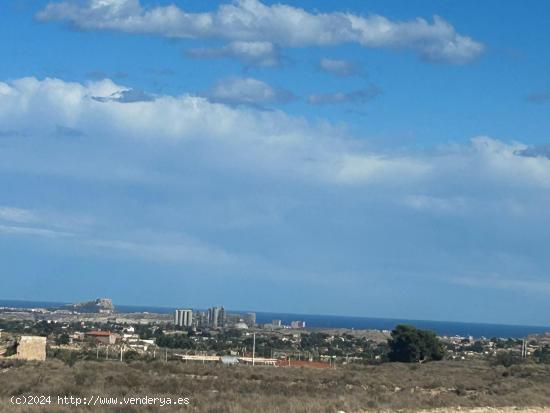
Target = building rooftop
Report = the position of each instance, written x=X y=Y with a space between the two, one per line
x=99 y=333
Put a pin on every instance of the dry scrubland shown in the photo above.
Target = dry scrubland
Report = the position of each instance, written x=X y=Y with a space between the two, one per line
x=222 y=389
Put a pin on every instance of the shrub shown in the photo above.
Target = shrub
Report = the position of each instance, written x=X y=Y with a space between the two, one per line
x=507 y=359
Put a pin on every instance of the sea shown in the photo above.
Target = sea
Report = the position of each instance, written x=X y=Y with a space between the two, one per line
x=442 y=328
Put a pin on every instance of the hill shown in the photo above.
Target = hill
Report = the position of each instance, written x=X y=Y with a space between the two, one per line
x=100 y=305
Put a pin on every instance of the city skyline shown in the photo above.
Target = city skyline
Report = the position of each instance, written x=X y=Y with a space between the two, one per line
x=380 y=159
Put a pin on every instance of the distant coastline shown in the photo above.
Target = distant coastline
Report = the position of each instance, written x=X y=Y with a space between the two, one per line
x=442 y=328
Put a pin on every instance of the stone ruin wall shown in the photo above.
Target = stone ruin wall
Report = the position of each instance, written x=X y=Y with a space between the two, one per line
x=31 y=348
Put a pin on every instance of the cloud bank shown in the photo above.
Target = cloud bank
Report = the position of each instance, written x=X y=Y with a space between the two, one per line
x=211 y=192
x=257 y=25
x=103 y=110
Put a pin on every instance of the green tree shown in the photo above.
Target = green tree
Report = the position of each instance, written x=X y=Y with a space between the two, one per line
x=62 y=339
x=409 y=344
x=478 y=347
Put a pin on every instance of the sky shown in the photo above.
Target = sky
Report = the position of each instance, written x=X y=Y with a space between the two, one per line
x=365 y=158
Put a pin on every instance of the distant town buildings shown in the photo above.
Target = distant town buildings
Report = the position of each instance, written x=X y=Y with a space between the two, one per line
x=233 y=318
x=297 y=324
x=277 y=323
x=241 y=325
x=183 y=318
x=250 y=319
x=239 y=321
x=101 y=337
x=216 y=317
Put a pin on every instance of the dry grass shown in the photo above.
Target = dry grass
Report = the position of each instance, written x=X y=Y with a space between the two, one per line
x=222 y=389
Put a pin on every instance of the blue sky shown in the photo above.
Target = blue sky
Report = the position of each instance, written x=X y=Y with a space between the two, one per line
x=367 y=158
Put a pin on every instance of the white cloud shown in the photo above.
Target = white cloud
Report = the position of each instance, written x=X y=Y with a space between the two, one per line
x=275 y=142
x=506 y=163
x=367 y=168
x=250 y=91
x=280 y=24
x=91 y=107
x=264 y=54
x=339 y=67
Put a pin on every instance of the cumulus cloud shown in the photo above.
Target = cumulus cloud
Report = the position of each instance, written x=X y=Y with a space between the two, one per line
x=280 y=24
x=339 y=67
x=102 y=107
x=274 y=139
x=495 y=157
x=248 y=91
x=355 y=97
x=264 y=54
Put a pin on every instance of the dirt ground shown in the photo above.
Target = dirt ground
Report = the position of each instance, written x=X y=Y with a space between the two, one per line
x=442 y=387
x=474 y=410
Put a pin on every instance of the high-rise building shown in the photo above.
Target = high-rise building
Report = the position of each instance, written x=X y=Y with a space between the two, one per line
x=298 y=324
x=183 y=318
x=216 y=317
x=250 y=319
x=202 y=318
x=232 y=319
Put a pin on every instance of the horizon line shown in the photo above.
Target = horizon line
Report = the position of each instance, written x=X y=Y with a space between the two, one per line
x=298 y=313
